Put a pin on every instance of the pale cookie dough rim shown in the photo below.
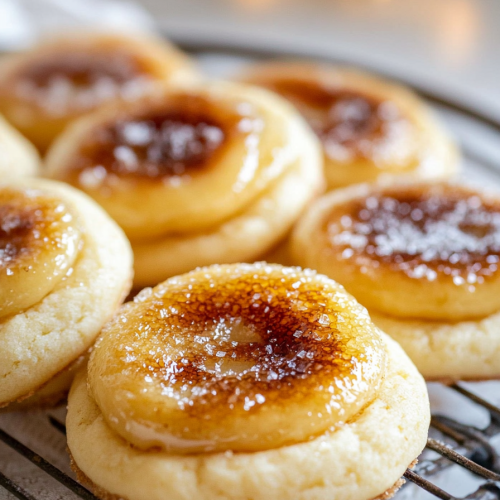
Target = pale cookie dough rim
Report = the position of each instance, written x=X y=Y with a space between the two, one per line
x=106 y=269
x=473 y=339
x=303 y=177
x=102 y=494
x=405 y=383
x=50 y=400
x=58 y=397
x=22 y=158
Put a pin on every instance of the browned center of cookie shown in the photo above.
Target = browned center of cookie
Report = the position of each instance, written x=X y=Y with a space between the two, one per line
x=29 y=223
x=182 y=138
x=78 y=80
x=16 y=231
x=39 y=241
x=343 y=119
x=425 y=233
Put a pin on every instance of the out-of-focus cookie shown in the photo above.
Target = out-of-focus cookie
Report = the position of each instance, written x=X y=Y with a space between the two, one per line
x=18 y=157
x=370 y=128
x=45 y=88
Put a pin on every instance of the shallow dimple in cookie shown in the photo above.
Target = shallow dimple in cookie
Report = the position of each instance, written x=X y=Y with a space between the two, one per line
x=349 y=123
x=231 y=343
x=447 y=232
x=79 y=79
x=183 y=137
x=39 y=241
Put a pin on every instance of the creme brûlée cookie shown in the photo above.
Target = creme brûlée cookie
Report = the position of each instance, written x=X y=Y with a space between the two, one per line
x=46 y=87
x=65 y=267
x=424 y=260
x=246 y=381
x=194 y=174
x=370 y=129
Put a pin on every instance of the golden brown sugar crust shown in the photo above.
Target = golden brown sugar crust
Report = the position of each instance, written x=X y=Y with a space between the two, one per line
x=84 y=68
x=348 y=122
x=31 y=222
x=446 y=233
x=438 y=246
x=232 y=344
x=358 y=461
x=369 y=128
x=185 y=136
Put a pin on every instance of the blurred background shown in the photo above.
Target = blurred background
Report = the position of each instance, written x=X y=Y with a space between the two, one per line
x=447 y=46
x=451 y=46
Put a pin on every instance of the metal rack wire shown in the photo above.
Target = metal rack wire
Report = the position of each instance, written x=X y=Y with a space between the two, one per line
x=454 y=442
x=466 y=446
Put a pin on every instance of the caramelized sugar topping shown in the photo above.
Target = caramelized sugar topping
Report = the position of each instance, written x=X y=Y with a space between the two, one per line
x=16 y=231
x=349 y=123
x=240 y=341
x=78 y=80
x=38 y=243
x=181 y=139
x=30 y=223
x=296 y=342
x=425 y=233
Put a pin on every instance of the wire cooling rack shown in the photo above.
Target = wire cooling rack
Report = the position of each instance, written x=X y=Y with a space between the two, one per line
x=450 y=442
x=34 y=464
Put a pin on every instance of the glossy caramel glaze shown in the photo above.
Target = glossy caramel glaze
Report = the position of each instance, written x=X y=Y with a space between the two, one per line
x=215 y=359
x=39 y=241
x=182 y=138
x=442 y=232
x=349 y=123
